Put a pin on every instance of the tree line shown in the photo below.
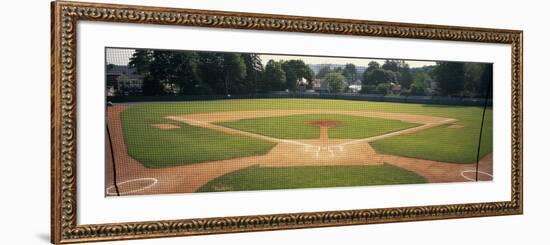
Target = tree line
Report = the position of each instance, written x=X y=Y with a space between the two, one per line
x=200 y=73
x=195 y=72
x=457 y=79
x=204 y=73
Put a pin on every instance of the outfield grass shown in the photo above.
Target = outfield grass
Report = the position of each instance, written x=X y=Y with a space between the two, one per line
x=269 y=178
x=294 y=126
x=157 y=148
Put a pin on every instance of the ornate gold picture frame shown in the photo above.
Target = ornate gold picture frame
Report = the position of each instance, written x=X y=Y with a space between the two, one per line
x=64 y=107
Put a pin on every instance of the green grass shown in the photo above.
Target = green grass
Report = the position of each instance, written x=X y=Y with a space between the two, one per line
x=439 y=144
x=269 y=178
x=157 y=148
x=456 y=145
x=295 y=127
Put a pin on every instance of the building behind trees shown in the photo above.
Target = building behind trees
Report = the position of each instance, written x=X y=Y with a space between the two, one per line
x=161 y=72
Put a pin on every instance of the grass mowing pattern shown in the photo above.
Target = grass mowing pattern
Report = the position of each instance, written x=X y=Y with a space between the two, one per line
x=443 y=144
x=294 y=127
x=270 y=178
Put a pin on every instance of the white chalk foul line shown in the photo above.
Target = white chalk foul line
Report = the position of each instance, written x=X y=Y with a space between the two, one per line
x=473 y=171
x=110 y=189
x=207 y=125
x=400 y=132
x=309 y=147
x=202 y=124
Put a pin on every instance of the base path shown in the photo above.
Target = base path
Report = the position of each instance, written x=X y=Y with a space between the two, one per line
x=438 y=172
x=185 y=178
x=311 y=152
x=227 y=116
x=323 y=145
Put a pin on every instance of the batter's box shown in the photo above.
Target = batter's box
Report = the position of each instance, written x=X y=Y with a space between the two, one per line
x=313 y=148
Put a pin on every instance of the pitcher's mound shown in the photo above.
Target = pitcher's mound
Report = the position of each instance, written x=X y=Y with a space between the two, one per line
x=324 y=123
x=165 y=126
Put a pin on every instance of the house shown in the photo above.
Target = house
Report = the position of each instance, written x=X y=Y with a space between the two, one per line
x=356 y=82
x=123 y=80
x=354 y=88
x=316 y=83
x=301 y=84
x=320 y=86
x=394 y=88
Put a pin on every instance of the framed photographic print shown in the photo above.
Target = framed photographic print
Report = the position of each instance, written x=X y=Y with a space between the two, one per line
x=174 y=122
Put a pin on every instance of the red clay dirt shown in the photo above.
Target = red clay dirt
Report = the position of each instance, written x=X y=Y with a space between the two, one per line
x=324 y=123
x=322 y=151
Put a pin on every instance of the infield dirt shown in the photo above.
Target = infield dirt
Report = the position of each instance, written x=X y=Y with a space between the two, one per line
x=322 y=151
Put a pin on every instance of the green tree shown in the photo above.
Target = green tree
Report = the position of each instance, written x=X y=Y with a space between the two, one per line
x=472 y=78
x=486 y=79
x=369 y=86
x=335 y=81
x=309 y=75
x=160 y=73
x=275 y=76
x=323 y=71
x=393 y=65
x=141 y=60
x=418 y=88
x=234 y=71
x=296 y=70
x=350 y=73
x=450 y=77
x=382 y=88
x=373 y=65
x=254 y=71
x=376 y=76
x=186 y=69
x=290 y=74
x=477 y=77
x=406 y=76
x=422 y=77
x=211 y=66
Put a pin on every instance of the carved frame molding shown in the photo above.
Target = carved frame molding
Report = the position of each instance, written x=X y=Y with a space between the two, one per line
x=65 y=16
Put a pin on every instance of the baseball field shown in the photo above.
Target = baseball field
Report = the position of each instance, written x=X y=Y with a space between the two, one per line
x=262 y=144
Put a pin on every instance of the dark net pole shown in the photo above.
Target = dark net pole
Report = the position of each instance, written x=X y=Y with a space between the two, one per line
x=487 y=95
x=112 y=158
x=115 y=61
